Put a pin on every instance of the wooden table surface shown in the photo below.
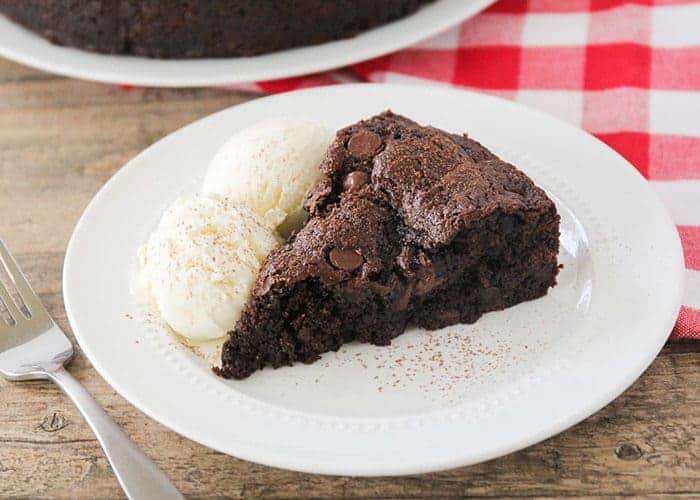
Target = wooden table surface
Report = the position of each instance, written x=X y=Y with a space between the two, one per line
x=60 y=140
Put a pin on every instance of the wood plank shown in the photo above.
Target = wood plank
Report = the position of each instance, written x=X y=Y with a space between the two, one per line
x=643 y=443
x=60 y=140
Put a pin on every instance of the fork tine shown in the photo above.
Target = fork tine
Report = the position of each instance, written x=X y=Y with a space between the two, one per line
x=10 y=304
x=30 y=299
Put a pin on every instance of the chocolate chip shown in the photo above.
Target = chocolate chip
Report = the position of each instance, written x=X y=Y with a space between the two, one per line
x=347 y=260
x=355 y=180
x=364 y=144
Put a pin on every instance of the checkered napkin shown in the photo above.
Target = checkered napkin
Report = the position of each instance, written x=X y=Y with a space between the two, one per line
x=626 y=71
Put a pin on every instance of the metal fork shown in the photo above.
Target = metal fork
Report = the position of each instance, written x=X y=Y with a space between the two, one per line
x=32 y=346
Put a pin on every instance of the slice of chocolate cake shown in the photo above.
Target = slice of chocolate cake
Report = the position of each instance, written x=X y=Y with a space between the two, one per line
x=410 y=225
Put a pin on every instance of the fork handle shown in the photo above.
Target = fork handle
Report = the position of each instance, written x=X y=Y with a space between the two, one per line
x=138 y=475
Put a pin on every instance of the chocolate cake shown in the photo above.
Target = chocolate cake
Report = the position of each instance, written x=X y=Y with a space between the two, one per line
x=409 y=225
x=201 y=28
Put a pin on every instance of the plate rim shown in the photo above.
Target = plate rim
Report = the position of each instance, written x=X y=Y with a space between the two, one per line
x=367 y=45
x=283 y=460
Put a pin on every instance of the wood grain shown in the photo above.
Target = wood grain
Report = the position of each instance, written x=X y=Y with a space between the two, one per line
x=60 y=140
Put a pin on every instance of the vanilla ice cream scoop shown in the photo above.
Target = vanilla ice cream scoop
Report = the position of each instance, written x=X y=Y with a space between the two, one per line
x=200 y=264
x=269 y=167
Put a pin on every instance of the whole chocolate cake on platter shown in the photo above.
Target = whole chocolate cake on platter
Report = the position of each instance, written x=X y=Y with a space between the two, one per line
x=201 y=28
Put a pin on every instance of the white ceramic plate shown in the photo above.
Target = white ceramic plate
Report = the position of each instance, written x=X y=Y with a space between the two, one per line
x=432 y=400
x=23 y=46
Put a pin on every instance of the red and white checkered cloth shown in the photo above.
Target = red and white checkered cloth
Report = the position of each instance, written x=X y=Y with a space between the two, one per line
x=626 y=71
